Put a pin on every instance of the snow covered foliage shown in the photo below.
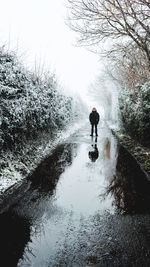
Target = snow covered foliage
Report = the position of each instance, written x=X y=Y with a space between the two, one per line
x=135 y=112
x=28 y=103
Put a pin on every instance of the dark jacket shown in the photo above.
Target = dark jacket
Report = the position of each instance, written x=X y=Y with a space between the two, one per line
x=94 y=117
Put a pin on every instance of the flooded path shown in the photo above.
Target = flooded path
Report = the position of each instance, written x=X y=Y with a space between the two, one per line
x=87 y=205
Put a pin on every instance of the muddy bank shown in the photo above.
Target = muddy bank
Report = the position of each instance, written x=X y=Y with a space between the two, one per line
x=140 y=154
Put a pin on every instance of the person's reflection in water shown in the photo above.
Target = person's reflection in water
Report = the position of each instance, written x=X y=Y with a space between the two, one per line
x=129 y=186
x=93 y=155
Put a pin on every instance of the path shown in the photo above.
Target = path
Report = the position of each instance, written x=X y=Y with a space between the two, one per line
x=67 y=218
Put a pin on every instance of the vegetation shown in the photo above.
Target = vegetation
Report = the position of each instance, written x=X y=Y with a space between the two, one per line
x=135 y=112
x=140 y=153
x=29 y=103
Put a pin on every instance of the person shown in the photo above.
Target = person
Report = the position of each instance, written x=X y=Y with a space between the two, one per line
x=93 y=155
x=94 y=120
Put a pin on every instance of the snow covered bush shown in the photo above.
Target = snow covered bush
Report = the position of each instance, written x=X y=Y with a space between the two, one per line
x=135 y=112
x=29 y=103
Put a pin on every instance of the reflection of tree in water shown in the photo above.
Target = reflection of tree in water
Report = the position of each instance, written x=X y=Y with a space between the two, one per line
x=14 y=235
x=107 y=146
x=43 y=183
x=109 y=159
x=15 y=225
x=46 y=175
x=129 y=186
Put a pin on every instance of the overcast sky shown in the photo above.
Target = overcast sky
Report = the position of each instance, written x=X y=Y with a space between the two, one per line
x=37 y=28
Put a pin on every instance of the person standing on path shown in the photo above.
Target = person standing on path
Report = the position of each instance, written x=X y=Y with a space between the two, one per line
x=94 y=120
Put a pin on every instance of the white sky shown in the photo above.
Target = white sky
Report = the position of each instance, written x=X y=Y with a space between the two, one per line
x=38 y=30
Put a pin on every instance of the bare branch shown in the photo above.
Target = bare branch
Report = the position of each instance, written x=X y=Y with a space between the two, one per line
x=98 y=20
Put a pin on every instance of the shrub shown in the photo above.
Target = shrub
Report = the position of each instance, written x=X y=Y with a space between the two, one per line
x=29 y=103
x=135 y=112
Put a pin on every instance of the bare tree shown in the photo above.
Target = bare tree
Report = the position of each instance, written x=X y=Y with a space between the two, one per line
x=124 y=20
x=127 y=65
